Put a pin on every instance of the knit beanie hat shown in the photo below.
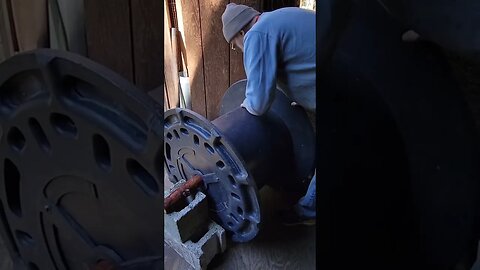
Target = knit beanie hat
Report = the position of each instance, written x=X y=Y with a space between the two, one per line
x=235 y=17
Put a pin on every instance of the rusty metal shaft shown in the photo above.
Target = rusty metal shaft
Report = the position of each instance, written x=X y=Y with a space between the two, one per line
x=182 y=192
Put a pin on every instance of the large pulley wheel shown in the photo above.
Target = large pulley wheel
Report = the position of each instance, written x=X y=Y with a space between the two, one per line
x=80 y=168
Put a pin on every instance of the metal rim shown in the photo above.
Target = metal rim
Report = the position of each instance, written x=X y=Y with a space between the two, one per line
x=193 y=145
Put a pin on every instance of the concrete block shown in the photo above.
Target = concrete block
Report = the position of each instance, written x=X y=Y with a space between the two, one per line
x=200 y=254
x=212 y=243
x=191 y=221
x=192 y=234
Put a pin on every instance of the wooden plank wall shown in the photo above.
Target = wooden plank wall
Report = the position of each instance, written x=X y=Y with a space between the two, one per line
x=123 y=35
x=108 y=35
x=216 y=54
x=147 y=39
x=170 y=66
x=193 y=42
x=213 y=66
x=126 y=36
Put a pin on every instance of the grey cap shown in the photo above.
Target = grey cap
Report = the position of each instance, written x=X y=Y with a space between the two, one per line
x=234 y=19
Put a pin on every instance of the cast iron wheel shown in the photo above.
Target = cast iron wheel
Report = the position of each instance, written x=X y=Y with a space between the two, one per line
x=80 y=168
x=194 y=146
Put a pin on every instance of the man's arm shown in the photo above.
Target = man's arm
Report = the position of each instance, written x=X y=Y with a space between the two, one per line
x=260 y=61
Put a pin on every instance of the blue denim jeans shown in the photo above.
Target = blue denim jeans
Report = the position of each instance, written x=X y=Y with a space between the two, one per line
x=306 y=206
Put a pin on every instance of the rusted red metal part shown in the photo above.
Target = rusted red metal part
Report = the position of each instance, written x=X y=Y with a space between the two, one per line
x=181 y=192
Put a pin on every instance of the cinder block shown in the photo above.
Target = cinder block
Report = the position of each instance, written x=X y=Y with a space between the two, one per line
x=200 y=254
x=190 y=222
x=192 y=234
x=212 y=243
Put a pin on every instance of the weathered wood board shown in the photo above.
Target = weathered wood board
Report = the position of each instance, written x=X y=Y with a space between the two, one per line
x=108 y=32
